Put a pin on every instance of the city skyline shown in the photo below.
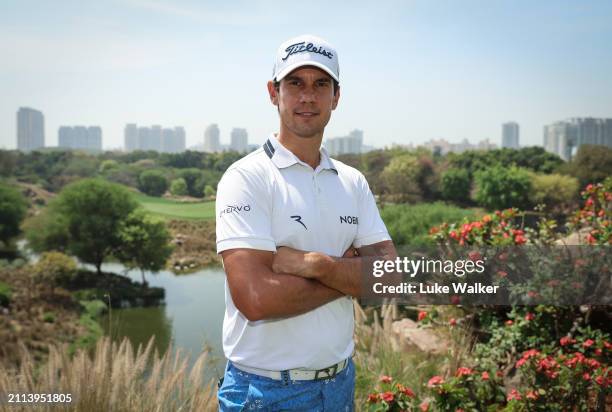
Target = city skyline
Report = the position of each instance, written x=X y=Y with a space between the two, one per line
x=410 y=71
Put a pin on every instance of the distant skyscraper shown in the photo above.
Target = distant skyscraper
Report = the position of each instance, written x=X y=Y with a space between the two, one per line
x=173 y=140
x=30 y=129
x=130 y=137
x=180 y=141
x=562 y=138
x=510 y=135
x=353 y=143
x=80 y=137
x=155 y=138
x=212 y=143
x=239 y=140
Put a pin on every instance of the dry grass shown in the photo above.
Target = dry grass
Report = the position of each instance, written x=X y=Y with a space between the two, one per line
x=113 y=379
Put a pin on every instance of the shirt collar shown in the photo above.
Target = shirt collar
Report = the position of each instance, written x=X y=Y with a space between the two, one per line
x=283 y=157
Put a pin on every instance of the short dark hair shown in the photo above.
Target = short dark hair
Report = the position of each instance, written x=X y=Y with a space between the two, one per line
x=334 y=82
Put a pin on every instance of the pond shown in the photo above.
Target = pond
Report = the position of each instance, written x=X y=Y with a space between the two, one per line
x=190 y=320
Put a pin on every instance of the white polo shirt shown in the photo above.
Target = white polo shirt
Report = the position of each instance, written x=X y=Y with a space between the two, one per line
x=269 y=199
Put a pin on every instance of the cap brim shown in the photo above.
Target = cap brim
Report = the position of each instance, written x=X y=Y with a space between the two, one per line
x=280 y=75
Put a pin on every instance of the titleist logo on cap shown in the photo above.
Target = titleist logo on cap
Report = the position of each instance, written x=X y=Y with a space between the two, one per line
x=301 y=48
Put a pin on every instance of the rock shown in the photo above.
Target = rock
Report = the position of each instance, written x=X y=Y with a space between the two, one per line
x=410 y=335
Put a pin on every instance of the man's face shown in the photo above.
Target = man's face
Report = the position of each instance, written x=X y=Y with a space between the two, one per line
x=305 y=100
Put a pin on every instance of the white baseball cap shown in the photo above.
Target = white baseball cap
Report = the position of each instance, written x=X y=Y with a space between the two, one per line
x=306 y=50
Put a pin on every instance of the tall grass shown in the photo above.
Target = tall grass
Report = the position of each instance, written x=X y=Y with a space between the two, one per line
x=113 y=379
x=379 y=351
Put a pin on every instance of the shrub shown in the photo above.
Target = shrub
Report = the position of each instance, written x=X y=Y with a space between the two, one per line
x=178 y=187
x=456 y=185
x=409 y=225
x=209 y=191
x=5 y=294
x=55 y=267
x=400 y=177
x=553 y=190
x=500 y=188
x=13 y=208
x=152 y=182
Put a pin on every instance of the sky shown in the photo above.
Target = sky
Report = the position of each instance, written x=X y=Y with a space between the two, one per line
x=410 y=71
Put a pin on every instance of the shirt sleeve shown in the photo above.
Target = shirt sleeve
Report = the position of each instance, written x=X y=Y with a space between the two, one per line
x=371 y=228
x=243 y=212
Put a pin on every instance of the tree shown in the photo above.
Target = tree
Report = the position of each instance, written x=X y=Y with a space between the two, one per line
x=13 y=208
x=178 y=187
x=193 y=179
x=144 y=243
x=592 y=164
x=83 y=221
x=553 y=190
x=456 y=185
x=400 y=177
x=499 y=187
x=153 y=183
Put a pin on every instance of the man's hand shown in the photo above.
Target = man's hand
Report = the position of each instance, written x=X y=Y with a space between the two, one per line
x=304 y=264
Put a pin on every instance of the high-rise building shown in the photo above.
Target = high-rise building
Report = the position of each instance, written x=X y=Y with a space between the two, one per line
x=173 y=140
x=130 y=137
x=212 y=143
x=239 y=140
x=30 y=129
x=565 y=137
x=80 y=137
x=180 y=140
x=155 y=138
x=353 y=143
x=510 y=135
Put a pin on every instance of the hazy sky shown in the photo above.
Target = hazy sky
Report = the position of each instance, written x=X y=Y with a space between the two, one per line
x=409 y=70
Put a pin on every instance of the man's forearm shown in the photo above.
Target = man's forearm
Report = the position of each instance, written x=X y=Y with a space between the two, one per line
x=285 y=295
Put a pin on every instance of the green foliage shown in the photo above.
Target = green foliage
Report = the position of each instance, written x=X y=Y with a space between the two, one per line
x=409 y=225
x=209 y=191
x=456 y=185
x=55 y=268
x=48 y=317
x=500 y=187
x=108 y=165
x=534 y=158
x=13 y=208
x=83 y=220
x=8 y=161
x=592 y=164
x=553 y=190
x=153 y=183
x=5 y=294
x=144 y=242
x=194 y=180
x=183 y=160
x=400 y=177
x=178 y=187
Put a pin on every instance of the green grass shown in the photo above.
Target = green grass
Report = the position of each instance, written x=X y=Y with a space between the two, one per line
x=170 y=209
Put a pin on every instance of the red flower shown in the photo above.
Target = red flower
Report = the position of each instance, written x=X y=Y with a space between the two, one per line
x=408 y=392
x=474 y=256
x=586 y=376
x=422 y=315
x=519 y=240
x=531 y=395
x=387 y=396
x=485 y=376
x=566 y=340
x=454 y=235
x=373 y=398
x=502 y=273
x=599 y=380
x=452 y=322
x=588 y=343
x=424 y=407
x=463 y=371
x=486 y=218
x=509 y=322
x=435 y=381
x=598 y=352
x=514 y=394
x=589 y=202
x=533 y=294
x=385 y=379
x=455 y=300
x=529 y=316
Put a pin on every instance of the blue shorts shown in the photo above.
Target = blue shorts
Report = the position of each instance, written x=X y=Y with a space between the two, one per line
x=242 y=391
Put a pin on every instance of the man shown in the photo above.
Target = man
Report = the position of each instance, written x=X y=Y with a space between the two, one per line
x=290 y=221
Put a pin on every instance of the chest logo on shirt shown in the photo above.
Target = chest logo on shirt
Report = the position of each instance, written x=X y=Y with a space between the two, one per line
x=298 y=219
x=350 y=220
x=235 y=209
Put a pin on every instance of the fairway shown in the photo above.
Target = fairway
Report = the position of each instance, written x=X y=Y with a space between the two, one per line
x=170 y=209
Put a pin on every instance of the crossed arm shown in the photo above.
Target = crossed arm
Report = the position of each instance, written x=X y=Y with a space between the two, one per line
x=264 y=285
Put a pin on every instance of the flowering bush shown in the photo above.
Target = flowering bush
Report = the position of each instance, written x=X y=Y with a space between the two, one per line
x=595 y=215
